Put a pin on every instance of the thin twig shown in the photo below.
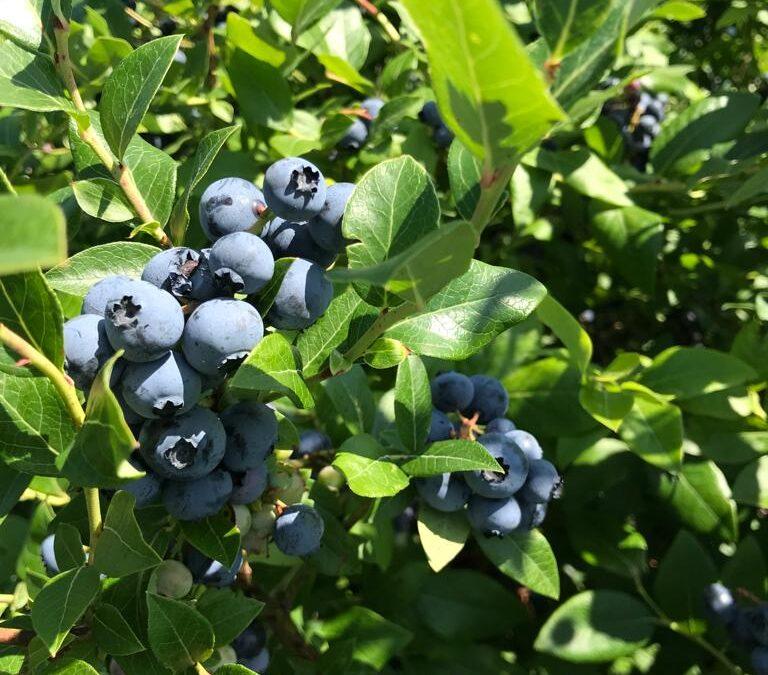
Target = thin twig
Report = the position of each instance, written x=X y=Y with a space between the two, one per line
x=7 y=183
x=384 y=22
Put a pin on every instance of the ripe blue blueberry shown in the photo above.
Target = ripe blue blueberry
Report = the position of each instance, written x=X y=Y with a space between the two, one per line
x=241 y=263
x=251 y=641
x=445 y=492
x=211 y=572
x=162 y=388
x=494 y=517
x=513 y=462
x=719 y=601
x=759 y=660
x=95 y=301
x=490 y=400
x=197 y=499
x=258 y=663
x=219 y=334
x=230 y=205
x=452 y=391
x=203 y=285
x=542 y=483
x=500 y=425
x=48 y=555
x=303 y=297
x=533 y=515
x=372 y=106
x=294 y=188
x=325 y=227
x=443 y=137
x=430 y=115
x=526 y=442
x=186 y=447
x=86 y=349
x=146 y=490
x=132 y=418
x=312 y=441
x=249 y=486
x=299 y=530
x=251 y=435
x=356 y=135
x=172 y=270
x=287 y=239
x=144 y=321
x=440 y=427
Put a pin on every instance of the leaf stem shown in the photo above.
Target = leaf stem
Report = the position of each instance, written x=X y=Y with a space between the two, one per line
x=120 y=172
x=6 y=183
x=387 y=318
x=94 y=519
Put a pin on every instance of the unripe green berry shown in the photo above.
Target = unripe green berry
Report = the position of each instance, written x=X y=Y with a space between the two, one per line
x=242 y=517
x=290 y=488
x=173 y=579
x=227 y=655
x=331 y=477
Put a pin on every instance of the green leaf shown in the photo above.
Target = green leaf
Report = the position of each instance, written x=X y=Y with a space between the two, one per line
x=61 y=603
x=687 y=372
x=451 y=456
x=731 y=447
x=112 y=632
x=30 y=308
x=470 y=312
x=653 y=430
x=562 y=323
x=241 y=35
x=684 y=573
x=464 y=172
x=77 y=274
x=20 y=21
x=207 y=150
x=680 y=10
x=607 y=402
x=130 y=89
x=368 y=470
x=178 y=634
x=12 y=486
x=347 y=317
x=413 y=403
x=746 y=568
x=565 y=24
x=632 y=239
x=143 y=663
x=121 y=549
x=352 y=398
x=750 y=188
x=103 y=199
x=302 y=14
x=341 y=33
x=393 y=206
x=29 y=81
x=229 y=612
x=261 y=90
x=596 y=627
x=273 y=367
x=527 y=558
x=441 y=535
x=215 y=536
x=98 y=457
x=751 y=485
x=33 y=233
x=68 y=548
x=497 y=117
x=700 y=496
x=69 y=666
x=385 y=353
x=712 y=120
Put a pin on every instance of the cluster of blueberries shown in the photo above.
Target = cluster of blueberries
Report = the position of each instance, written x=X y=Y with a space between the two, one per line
x=441 y=134
x=359 y=128
x=747 y=626
x=639 y=114
x=496 y=503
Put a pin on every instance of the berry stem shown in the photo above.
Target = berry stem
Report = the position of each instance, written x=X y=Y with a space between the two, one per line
x=6 y=183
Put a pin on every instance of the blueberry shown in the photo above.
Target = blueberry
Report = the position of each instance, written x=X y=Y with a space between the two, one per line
x=86 y=349
x=656 y=108
x=759 y=660
x=251 y=641
x=241 y=262
x=220 y=333
x=198 y=499
x=325 y=227
x=287 y=239
x=533 y=515
x=146 y=490
x=372 y=106
x=172 y=270
x=494 y=517
x=758 y=622
x=445 y=492
x=95 y=301
x=168 y=26
x=490 y=400
x=719 y=602
x=526 y=442
x=355 y=136
x=542 y=483
x=431 y=115
x=440 y=427
x=230 y=205
x=500 y=425
x=452 y=391
x=203 y=285
x=303 y=297
x=186 y=447
x=443 y=137
x=299 y=530
x=132 y=418
x=173 y=579
x=311 y=442
x=144 y=321
x=48 y=555
x=251 y=435
x=294 y=189
x=249 y=486
x=162 y=388
x=258 y=663
x=211 y=572
x=512 y=460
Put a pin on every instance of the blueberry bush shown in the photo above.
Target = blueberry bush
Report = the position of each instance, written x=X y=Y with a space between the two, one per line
x=383 y=336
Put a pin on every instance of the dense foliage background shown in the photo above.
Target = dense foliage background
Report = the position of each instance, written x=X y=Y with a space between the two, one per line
x=631 y=338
